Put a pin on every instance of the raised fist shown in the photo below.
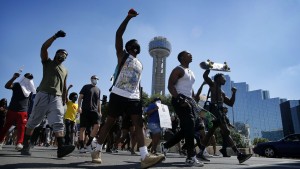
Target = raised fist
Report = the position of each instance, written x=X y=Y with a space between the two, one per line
x=233 y=89
x=16 y=75
x=60 y=34
x=132 y=12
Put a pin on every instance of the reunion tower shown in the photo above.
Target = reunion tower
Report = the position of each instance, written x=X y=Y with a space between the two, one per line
x=159 y=49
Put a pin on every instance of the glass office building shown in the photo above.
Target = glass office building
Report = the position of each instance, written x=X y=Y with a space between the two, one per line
x=290 y=113
x=254 y=108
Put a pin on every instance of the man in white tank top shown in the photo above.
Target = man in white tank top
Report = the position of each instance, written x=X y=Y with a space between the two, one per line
x=180 y=86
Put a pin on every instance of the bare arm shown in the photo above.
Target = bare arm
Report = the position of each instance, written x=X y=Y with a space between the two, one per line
x=70 y=86
x=64 y=93
x=197 y=96
x=99 y=108
x=175 y=75
x=44 y=49
x=207 y=79
x=48 y=43
x=79 y=103
x=230 y=102
x=9 y=84
x=119 y=35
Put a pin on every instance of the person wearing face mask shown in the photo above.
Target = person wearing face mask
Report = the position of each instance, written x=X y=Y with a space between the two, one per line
x=51 y=98
x=89 y=107
x=17 y=109
x=70 y=117
x=125 y=96
x=154 y=123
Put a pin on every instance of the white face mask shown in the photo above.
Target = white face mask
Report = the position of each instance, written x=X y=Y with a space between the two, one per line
x=158 y=102
x=94 y=81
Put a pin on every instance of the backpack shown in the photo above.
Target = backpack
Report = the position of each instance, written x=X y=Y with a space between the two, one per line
x=118 y=69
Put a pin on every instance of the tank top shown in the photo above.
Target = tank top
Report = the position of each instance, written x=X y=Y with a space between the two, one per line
x=184 y=85
x=127 y=84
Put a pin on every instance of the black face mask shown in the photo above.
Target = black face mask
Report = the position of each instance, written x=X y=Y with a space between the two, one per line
x=61 y=58
x=74 y=99
x=136 y=49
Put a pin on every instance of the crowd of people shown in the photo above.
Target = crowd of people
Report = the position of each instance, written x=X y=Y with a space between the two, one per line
x=49 y=115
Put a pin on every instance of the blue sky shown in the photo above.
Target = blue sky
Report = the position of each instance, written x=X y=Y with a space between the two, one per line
x=259 y=38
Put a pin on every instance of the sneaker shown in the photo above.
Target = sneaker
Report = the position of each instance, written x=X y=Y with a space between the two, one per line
x=163 y=149
x=193 y=162
x=224 y=152
x=82 y=150
x=65 y=150
x=19 y=147
x=114 y=150
x=201 y=157
x=243 y=157
x=26 y=151
x=151 y=160
x=206 y=154
x=96 y=157
x=90 y=148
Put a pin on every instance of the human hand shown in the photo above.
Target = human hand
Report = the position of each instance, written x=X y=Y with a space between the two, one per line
x=79 y=110
x=180 y=99
x=132 y=13
x=16 y=75
x=60 y=34
x=233 y=89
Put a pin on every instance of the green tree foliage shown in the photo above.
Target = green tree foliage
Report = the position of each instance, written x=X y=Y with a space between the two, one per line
x=259 y=140
x=237 y=138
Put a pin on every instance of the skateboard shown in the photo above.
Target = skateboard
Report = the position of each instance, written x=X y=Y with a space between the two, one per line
x=215 y=66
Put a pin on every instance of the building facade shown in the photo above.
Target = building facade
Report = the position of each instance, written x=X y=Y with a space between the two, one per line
x=290 y=114
x=254 y=108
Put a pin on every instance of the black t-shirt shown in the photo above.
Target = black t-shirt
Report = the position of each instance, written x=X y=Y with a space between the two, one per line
x=91 y=97
x=18 y=102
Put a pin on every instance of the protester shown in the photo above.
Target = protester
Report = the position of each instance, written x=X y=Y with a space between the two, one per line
x=125 y=95
x=18 y=106
x=51 y=97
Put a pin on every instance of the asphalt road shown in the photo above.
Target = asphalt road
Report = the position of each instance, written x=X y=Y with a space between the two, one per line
x=46 y=158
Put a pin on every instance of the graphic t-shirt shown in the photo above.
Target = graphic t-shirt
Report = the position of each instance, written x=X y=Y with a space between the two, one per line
x=127 y=84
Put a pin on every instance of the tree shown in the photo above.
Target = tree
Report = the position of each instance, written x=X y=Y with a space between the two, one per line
x=259 y=140
x=237 y=138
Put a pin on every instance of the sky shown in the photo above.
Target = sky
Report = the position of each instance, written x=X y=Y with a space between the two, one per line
x=259 y=39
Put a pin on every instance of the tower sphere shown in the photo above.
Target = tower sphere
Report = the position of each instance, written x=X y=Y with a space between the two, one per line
x=160 y=47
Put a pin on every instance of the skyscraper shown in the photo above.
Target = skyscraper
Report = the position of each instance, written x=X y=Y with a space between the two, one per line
x=290 y=114
x=159 y=49
x=254 y=108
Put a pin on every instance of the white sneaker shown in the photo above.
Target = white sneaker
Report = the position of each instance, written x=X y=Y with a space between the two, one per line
x=206 y=154
x=19 y=147
x=193 y=162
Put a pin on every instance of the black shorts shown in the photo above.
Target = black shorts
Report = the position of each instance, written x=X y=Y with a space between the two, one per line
x=119 y=105
x=126 y=122
x=89 y=118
